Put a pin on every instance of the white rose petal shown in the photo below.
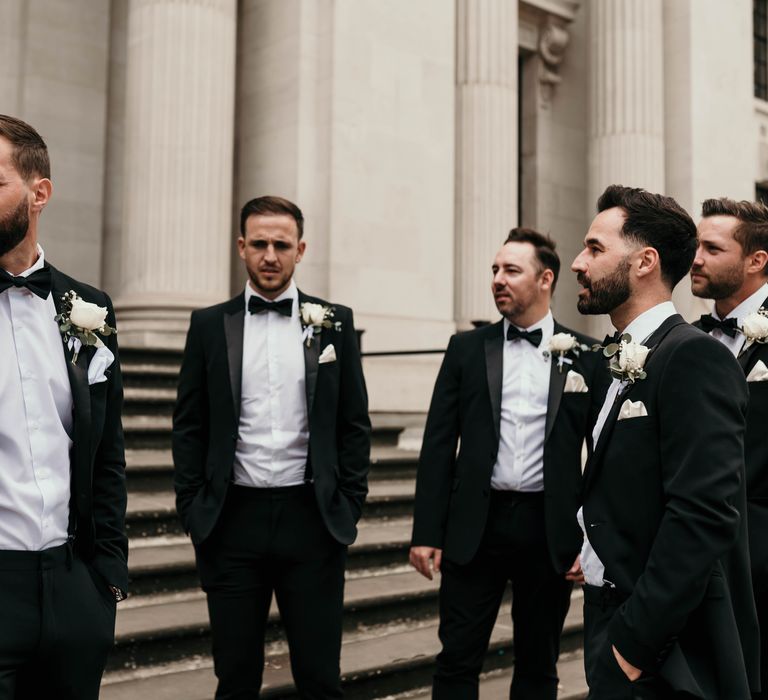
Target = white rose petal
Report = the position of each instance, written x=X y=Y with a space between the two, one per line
x=562 y=342
x=312 y=314
x=632 y=356
x=88 y=316
x=755 y=326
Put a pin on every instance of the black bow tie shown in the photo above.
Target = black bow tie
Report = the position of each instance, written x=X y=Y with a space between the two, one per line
x=533 y=337
x=729 y=326
x=39 y=282
x=257 y=305
x=610 y=339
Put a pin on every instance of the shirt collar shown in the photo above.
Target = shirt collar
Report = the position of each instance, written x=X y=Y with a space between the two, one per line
x=291 y=292
x=648 y=321
x=38 y=265
x=751 y=304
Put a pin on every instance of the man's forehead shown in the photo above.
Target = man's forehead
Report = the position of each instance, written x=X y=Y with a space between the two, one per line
x=515 y=252
x=276 y=226
x=606 y=226
x=718 y=226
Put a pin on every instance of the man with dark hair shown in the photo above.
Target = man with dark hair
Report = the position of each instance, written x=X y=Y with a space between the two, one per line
x=518 y=397
x=271 y=442
x=63 y=547
x=667 y=608
x=731 y=267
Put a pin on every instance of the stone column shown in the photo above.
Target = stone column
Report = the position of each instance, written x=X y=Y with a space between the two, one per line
x=486 y=148
x=626 y=143
x=177 y=185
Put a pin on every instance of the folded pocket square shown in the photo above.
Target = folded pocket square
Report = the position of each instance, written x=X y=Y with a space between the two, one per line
x=632 y=409
x=574 y=383
x=99 y=364
x=759 y=373
x=327 y=355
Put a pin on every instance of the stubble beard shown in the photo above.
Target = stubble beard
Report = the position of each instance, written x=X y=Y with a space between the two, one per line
x=725 y=285
x=14 y=227
x=608 y=293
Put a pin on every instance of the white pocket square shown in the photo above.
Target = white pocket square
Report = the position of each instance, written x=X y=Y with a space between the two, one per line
x=575 y=384
x=328 y=354
x=100 y=362
x=759 y=373
x=632 y=409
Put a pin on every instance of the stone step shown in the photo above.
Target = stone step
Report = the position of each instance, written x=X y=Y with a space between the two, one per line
x=374 y=664
x=161 y=564
x=153 y=513
x=161 y=628
x=152 y=469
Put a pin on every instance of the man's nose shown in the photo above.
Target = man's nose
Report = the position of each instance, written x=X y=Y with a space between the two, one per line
x=577 y=265
x=270 y=254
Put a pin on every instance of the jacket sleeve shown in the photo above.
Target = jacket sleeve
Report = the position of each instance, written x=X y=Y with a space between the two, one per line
x=353 y=425
x=438 y=454
x=702 y=401
x=108 y=486
x=190 y=422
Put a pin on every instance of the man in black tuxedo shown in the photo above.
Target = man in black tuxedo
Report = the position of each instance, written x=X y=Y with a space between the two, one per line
x=63 y=547
x=668 y=611
x=518 y=396
x=271 y=443
x=731 y=267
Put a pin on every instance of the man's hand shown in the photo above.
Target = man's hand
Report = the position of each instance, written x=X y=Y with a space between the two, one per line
x=629 y=670
x=420 y=560
x=575 y=573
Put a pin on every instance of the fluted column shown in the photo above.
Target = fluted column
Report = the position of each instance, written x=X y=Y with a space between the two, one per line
x=177 y=192
x=626 y=143
x=486 y=148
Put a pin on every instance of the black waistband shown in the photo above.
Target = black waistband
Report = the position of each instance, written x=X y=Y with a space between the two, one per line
x=276 y=491
x=18 y=560
x=499 y=495
x=603 y=595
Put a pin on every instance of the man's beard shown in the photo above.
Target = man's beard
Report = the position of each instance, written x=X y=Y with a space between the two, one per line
x=14 y=227
x=606 y=294
x=726 y=284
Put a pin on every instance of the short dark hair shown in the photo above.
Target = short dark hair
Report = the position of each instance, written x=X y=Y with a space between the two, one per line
x=271 y=205
x=751 y=233
x=543 y=246
x=657 y=221
x=30 y=154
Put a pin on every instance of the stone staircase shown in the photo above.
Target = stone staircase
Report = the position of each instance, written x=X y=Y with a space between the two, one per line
x=162 y=648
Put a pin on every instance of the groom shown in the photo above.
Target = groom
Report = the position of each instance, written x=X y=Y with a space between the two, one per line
x=63 y=547
x=668 y=611
x=271 y=442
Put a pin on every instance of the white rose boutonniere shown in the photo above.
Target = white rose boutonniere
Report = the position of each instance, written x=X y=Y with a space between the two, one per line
x=315 y=317
x=80 y=321
x=755 y=327
x=562 y=344
x=627 y=359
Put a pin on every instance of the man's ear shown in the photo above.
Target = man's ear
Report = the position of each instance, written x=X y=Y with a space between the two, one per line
x=757 y=262
x=648 y=261
x=241 y=247
x=547 y=278
x=300 y=250
x=41 y=190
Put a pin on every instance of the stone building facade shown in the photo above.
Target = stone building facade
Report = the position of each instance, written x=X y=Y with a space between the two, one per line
x=413 y=134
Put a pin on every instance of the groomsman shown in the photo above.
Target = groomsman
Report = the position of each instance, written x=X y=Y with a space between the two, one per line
x=731 y=267
x=271 y=442
x=63 y=546
x=517 y=397
x=668 y=611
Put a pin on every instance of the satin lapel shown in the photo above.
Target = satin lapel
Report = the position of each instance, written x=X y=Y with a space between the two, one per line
x=556 y=387
x=745 y=357
x=81 y=395
x=234 y=323
x=311 y=361
x=653 y=342
x=494 y=367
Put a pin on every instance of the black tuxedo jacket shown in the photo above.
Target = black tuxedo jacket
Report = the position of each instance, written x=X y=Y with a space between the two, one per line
x=98 y=494
x=663 y=502
x=452 y=491
x=207 y=415
x=756 y=458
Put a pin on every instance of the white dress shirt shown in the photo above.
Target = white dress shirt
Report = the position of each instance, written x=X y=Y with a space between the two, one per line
x=35 y=422
x=524 y=393
x=640 y=329
x=751 y=304
x=273 y=435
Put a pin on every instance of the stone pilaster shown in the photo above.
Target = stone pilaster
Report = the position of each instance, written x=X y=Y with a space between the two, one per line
x=486 y=148
x=626 y=144
x=177 y=186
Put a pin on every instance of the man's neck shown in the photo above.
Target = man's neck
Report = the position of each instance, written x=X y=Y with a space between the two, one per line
x=623 y=315
x=530 y=317
x=724 y=306
x=22 y=257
